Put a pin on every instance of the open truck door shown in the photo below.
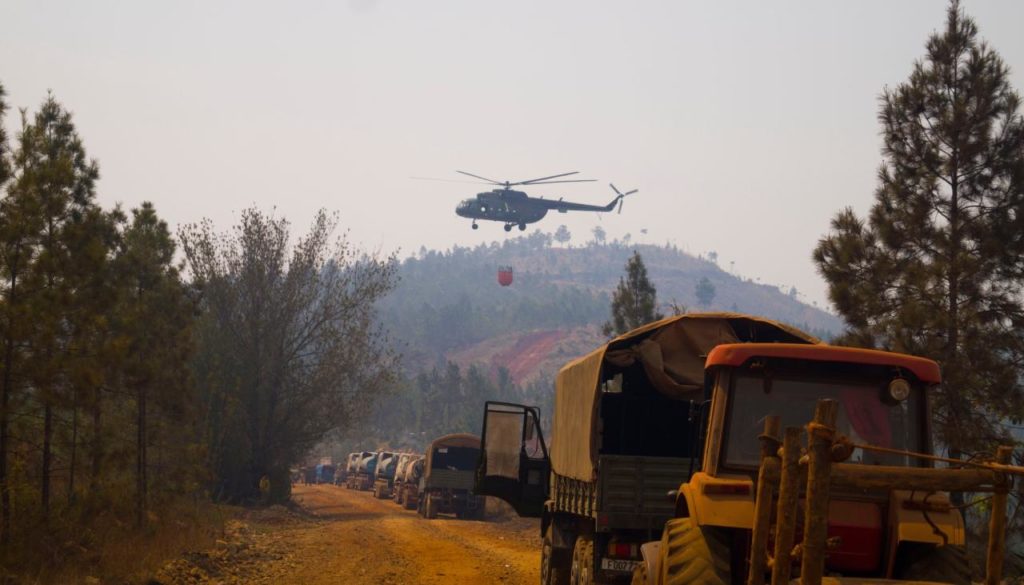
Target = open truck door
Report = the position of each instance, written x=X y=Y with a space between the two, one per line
x=514 y=463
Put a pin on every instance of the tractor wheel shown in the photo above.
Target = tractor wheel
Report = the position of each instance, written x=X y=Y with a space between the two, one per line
x=693 y=555
x=928 y=562
x=581 y=572
x=430 y=507
x=639 y=575
x=554 y=564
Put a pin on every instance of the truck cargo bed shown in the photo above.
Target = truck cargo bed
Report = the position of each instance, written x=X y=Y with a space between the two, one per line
x=630 y=492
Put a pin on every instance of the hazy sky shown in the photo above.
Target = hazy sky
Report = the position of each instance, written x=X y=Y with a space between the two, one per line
x=745 y=125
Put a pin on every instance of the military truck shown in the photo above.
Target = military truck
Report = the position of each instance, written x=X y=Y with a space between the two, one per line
x=384 y=474
x=409 y=491
x=446 y=486
x=874 y=507
x=627 y=429
x=362 y=479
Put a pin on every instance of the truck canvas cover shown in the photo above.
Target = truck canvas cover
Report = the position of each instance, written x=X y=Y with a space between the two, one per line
x=672 y=353
x=440 y=446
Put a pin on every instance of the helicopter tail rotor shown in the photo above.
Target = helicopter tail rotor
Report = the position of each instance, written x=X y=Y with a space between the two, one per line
x=621 y=195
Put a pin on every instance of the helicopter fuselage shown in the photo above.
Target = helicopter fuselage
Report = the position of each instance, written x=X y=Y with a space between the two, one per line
x=510 y=207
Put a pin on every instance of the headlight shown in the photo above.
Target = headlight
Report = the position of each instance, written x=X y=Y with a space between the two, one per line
x=899 y=389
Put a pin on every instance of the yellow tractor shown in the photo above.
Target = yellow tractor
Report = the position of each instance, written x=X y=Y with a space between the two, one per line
x=856 y=495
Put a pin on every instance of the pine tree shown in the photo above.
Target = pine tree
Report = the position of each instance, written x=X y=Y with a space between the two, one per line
x=937 y=268
x=57 y=180
x=11 y=236
x=634 y=302
x=154 y=317
x=705 y=292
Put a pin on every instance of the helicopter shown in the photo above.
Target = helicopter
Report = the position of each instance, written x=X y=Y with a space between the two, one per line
x=516 y=208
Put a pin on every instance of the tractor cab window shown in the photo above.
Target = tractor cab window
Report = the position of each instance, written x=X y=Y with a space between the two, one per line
x=866 y=416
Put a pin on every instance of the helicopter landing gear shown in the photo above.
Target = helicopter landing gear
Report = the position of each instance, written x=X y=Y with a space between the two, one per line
x=475 y=226
x=508 y=227
x=522 y=227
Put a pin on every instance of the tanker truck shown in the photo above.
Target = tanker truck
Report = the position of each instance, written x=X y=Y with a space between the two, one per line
x=384 y=474
x=627 y=426
x=409 y=496
x=343 y=471
x=403 y=462
x=362 y=479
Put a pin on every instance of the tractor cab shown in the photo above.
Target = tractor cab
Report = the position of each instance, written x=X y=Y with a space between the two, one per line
x=881 y=403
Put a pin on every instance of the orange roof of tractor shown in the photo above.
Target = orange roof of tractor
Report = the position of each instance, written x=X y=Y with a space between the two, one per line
x=737 y=354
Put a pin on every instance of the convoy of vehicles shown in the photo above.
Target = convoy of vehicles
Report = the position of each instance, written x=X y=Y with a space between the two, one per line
x=679 y=407
x=716 y=449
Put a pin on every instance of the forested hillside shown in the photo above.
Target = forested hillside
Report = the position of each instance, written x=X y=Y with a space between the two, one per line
x=466 y=339
x=450 y=300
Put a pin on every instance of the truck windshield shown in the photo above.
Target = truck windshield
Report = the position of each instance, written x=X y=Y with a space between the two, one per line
x=864 y=416
x=455 y=458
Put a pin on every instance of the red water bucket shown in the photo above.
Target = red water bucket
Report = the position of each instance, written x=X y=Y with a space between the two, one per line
x=504 y=275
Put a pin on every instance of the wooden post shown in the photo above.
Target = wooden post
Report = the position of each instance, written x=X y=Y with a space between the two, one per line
x=785 y=518
x=820 y=434
x=763 y=503
x=997 y=525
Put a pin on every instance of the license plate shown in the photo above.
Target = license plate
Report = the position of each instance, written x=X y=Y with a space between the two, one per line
x=619 y=565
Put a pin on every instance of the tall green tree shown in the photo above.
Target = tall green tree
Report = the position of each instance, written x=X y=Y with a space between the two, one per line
x=11 y=242
x=155 y=319
x=55 y=187
x=289 y=348
x=937 y=267
x=635 y=300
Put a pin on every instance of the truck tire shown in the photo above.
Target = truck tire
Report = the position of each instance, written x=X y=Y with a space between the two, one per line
x=554 y=563
x=581 y=572
x=918 y=561
x=430 y=507
x=639 y=575
x=408 y=503
x=693 y=555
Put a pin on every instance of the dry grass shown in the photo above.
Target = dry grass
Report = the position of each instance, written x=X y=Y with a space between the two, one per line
x=112 y=551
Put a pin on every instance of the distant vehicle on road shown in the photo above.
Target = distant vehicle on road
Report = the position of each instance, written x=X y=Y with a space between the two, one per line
x=362 y=479
x=446 y=486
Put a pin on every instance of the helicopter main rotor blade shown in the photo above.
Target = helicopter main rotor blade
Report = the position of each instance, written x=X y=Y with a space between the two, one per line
x=492 y=181
x=448 y=180
x=553 y=182
x=531 y=181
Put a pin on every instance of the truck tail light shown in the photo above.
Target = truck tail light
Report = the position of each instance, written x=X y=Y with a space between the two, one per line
x=623 y=550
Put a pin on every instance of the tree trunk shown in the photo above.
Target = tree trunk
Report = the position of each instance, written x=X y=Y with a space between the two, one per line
x=5 y=401
x=97 y=444
x=140 y=459
x=47 y=459
x=73 y=459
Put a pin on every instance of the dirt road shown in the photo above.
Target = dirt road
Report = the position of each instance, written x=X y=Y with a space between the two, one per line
x=346 y=536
